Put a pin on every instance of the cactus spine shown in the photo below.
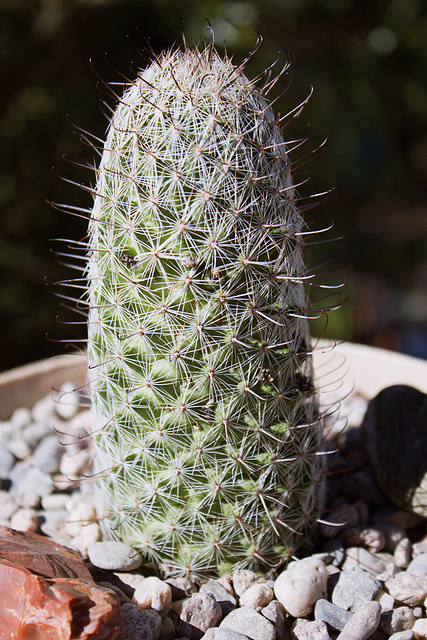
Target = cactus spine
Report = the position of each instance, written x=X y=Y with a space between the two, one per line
x=206 y=424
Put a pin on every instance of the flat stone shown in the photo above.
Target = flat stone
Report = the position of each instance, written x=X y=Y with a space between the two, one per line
x=300 y=586
x=136 y=624
x=275 y=612
x=395 y=442
x=226 y=601
x=355 y=588
x=199 y=612
x=362 y=623
x=55 y=609
x=249 y=623
x=113 y=555
x=360 y=557
x=42 y=556
x=334 y=616
x=403 y=635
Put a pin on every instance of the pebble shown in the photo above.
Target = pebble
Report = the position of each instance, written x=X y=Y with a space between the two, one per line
x=400 y=619
x=402 y=553
x=334 y=616
x=47 y=455
x=362 y=623
x=114 y=556
x=403 y=635
x=371 y=539
x=355 y=588
x=226 y=601
x=337 y=521
x=420 y=629
x=418 y=566
x=25 y=520
x=181 y=587
x=199 y=612
x=7 y=460
x=218 y=633
x=242 y=580
x=362 y=558
x=154 y=594
x=407 y=589
x=250 y=623
x=257 y=596
x=167 y=631
x=136 y=624
x=301 y=585
x=275 y=612
x=307 y=630
x=19 y=449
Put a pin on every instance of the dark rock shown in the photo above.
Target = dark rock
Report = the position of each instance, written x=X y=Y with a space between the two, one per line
x=394 y=430
x=139 y=624
x=56 y=609
x=42 y=556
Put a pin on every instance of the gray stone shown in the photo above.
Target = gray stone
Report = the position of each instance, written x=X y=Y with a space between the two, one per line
x=250 y=623
x=395 y=442
x=167 y=631
x=362 y=623
x=403 y=635
x=275 y=612
x=355 y=588
x=136 y=623
x=310 y=630
x=418 y=566
x=217 y=633
x=113 y=555
x=47 y=454
x=407 y=589
x=226 y=601
x=34 y=432
x=359 y=557
x=400 y=619
x=334 y=616
x=199 y=613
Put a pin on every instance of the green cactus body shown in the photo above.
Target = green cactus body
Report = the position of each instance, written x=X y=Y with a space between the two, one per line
x=206 y=425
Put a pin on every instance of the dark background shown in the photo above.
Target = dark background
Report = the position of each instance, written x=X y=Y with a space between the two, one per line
x=367 y=60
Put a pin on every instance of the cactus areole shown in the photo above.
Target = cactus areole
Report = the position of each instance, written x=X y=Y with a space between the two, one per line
x=205 y=419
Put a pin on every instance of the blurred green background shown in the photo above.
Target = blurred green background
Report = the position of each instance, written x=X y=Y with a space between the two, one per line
x=367 y=61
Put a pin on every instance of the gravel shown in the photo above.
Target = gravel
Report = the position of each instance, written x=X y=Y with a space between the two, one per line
x=367 y=577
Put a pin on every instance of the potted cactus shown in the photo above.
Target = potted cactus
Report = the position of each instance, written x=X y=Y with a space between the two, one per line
x=206 y=423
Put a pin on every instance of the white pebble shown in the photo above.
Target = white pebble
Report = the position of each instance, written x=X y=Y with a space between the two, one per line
x=420 y=629
x=19 y=448
x=88 y=534
x=402 y=553
x=80 y=517
x=8 y=506
x=257 y=596
x=67 y=401
x=300 y=586
x=154 y=594
x=72 y=466
x=25 y=520
x=114 y=556
x=133 y=580
x=20 y=418
x=242 y=580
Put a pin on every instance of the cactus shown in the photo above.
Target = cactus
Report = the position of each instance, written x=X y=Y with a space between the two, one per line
x=205 y=419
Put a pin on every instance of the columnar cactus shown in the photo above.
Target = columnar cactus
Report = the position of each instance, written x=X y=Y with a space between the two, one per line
x=205 y=418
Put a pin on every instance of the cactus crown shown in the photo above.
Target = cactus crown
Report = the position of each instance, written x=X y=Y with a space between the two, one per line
x=206 y=424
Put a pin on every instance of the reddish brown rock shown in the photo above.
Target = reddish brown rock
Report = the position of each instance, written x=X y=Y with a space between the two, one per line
x=33 y=608
x=41 y=555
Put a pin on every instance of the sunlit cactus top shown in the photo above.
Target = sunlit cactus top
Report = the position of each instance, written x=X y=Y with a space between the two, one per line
x=205 y=416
